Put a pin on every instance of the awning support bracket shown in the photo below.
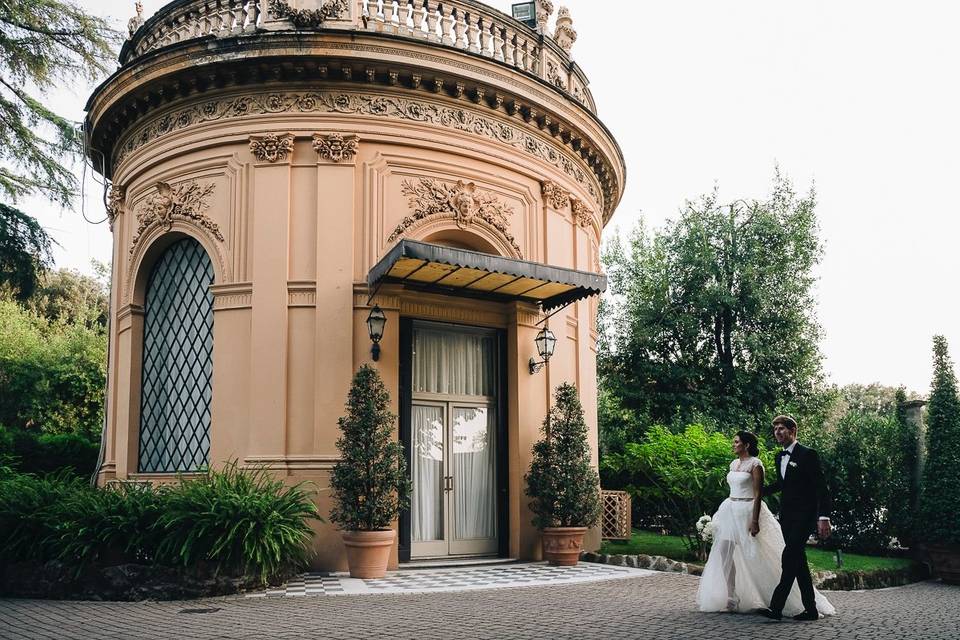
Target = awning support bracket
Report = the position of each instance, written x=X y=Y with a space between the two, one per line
x=555 y=312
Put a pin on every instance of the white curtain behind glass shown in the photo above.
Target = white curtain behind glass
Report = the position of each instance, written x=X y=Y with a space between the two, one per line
x=473 y=472
x=454 y=363
x=426 y=502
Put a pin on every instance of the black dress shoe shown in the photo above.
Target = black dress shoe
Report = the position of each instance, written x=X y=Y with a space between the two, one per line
x=770 y=613
x=807 y=615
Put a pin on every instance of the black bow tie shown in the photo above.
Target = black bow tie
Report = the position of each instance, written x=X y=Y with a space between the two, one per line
x=785 y=452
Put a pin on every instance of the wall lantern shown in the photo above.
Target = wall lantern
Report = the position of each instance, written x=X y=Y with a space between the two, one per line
x=545 y=342
x=375 y=323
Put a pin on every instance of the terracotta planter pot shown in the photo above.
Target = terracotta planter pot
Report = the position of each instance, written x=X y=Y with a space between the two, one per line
x=946 y=562
x=562 y=545
x=368 y=552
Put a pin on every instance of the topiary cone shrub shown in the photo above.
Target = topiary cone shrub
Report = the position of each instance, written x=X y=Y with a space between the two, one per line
x=563 y=485
x=370 y=483
x=940 y=490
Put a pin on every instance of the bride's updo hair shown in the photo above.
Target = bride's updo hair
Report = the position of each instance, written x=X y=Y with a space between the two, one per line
x=749 y=439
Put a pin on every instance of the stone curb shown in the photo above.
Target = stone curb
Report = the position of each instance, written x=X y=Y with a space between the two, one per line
x=827 y=580
x=642 y=561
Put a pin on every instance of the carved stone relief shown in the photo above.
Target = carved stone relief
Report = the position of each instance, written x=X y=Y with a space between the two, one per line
x=186 y=201
x=582 y=215
x=336 y=146
x=463 y=202
x=308 y=18
x=555 y=195
x=554 y=77
x=460 y=119
x=272 y=146
x=115 y=203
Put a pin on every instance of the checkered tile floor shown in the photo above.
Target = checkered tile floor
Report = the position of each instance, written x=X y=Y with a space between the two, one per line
x=450 y=579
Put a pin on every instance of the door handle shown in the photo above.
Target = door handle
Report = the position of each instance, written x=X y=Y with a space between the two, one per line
x=448 y=483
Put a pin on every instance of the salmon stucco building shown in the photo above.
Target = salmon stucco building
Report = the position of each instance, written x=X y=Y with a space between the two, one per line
x=299 y=187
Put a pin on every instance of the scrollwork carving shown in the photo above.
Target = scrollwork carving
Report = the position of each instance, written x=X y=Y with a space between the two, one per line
x=186 y=201
x=336 y=146
x=272 y=147
x=463 y=202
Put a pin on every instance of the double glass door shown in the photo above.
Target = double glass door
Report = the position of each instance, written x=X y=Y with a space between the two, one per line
x=453 y=427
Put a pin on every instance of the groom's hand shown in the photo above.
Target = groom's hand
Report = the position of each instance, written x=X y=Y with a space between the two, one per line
x=823 y=529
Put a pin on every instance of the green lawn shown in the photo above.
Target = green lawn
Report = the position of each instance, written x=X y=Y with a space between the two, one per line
x=654 y=544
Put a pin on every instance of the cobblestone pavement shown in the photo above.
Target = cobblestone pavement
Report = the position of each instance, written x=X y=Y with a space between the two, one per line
x=657 y=606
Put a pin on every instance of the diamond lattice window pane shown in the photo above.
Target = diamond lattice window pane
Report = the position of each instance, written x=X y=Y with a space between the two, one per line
x=177 y=361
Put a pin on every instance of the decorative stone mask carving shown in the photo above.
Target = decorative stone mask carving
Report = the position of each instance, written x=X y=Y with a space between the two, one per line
x=464 y=202
x=186 y=201
x=556 y=196
x=336 y=146
x=272 y=147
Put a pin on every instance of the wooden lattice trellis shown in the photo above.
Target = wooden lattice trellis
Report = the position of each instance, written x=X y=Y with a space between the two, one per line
x=615 y=521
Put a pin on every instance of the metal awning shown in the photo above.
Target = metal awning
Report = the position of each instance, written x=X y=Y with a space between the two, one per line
x=453 y=271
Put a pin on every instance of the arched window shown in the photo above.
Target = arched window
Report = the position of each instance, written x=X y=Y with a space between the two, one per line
x=177 y=361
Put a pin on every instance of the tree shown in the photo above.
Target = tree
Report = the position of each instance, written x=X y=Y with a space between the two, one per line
x=66 y=295
x=714 y=315
x=43 y=44
x=564 y=487
x=52 y=374
x=903 y=506
x=25 y=252
x=939 y=522
x=369 y=483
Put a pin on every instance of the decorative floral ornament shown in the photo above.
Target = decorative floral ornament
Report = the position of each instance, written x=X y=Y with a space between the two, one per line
x=308 y=18
x=463 y=202
x=185 y=201
x=272 y=146
x=115 y=203
x=336 y=146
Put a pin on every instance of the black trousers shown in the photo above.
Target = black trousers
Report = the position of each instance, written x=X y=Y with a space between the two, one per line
x=794 y=567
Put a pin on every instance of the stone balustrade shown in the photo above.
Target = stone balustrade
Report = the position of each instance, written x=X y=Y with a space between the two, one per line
x=468 y=25
x=182 y=21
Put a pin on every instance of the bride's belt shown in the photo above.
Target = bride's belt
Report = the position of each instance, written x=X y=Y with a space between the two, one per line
x=742 y=499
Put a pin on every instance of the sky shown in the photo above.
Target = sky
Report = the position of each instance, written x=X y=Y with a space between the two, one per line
x=858 y=97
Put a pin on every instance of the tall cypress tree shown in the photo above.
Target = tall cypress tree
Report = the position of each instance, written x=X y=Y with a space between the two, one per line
x=939 y=517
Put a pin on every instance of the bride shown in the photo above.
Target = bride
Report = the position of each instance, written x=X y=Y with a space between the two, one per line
x=744 y=564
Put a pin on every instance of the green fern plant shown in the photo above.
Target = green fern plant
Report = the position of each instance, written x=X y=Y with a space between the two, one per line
x=238 y=519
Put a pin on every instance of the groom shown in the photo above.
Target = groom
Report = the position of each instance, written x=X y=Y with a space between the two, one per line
x=804 y=508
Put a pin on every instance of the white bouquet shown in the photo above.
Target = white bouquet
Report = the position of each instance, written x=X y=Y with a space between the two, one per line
x=705 y=528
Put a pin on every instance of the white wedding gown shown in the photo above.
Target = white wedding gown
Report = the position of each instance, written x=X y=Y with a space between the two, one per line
x=743 y=570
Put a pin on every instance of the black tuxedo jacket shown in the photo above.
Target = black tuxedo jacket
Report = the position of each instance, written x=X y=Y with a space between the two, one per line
x=804 y=494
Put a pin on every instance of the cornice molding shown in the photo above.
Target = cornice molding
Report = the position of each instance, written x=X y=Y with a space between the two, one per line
x=461 y=118
x=135 y=92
